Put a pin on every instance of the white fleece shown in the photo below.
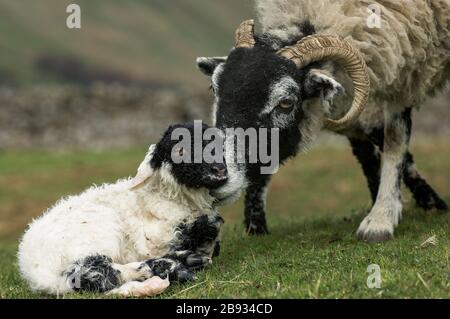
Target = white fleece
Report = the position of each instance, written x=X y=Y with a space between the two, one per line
x=408 y=57
x=111 y=220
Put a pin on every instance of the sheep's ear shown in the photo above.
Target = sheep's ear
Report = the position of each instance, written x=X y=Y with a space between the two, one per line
x=208 y=65
x=320 y=84
x=145 y=171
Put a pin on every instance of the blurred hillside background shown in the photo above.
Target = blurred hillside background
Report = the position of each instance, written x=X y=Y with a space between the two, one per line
x=153 y=43
x=124 y=76
x=116 y=82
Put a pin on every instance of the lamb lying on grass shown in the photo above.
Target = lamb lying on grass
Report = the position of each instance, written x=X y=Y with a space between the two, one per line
x=131 y=237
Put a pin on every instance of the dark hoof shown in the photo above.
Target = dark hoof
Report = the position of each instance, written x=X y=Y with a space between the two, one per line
x=184 y=275
x=196 y=262
x=432 y=202
x=257 y=229
x=438 y=205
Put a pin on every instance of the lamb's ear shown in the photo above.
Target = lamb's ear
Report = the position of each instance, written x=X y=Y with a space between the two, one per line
x=145 y=171
x=320 y=84
x=208 y=65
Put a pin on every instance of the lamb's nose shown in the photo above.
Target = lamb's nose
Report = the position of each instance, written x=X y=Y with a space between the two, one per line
x=219 y=170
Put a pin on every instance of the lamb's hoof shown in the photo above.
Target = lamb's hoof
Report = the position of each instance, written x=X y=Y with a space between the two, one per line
x=197 y=261
x=184 y=275
x=257 y=229
x=375 y=230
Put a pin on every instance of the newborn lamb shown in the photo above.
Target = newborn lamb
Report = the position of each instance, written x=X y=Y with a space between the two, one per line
x=131 y=237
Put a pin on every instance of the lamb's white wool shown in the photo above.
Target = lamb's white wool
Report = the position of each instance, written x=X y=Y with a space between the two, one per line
x=125 y=225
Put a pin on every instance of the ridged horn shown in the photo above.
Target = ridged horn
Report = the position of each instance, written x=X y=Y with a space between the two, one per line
x=245 y=34
x=324 y=47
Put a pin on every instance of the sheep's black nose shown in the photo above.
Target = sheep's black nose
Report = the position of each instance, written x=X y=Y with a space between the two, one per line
x=219 y=170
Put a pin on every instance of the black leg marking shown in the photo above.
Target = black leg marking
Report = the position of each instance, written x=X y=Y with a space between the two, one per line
x=255 y=216
x=94 y=274
x=424 y=194
x=216 y=251
x=191 y=251
x=174 y=269
x=369 y=158
x=200 y=234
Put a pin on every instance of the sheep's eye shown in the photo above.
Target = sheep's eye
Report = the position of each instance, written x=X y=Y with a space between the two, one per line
x=287 y=103
x=181 y=151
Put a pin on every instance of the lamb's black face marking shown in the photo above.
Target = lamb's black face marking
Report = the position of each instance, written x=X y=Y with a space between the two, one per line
x=193 y=175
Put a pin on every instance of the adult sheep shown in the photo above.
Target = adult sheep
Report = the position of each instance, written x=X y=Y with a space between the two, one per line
x=124 y=237
x=292 y=76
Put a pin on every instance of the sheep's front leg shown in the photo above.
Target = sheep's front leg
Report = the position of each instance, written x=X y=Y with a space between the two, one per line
x=255 y=202
x=385 y=214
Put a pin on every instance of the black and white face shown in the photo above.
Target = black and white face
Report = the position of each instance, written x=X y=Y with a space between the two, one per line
x=257 y=88
x=188 y=172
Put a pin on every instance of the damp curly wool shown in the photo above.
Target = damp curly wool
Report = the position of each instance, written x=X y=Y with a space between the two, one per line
x=131 y=237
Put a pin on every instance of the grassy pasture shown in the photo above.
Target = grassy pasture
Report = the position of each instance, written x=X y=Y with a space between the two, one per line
x=315 y=205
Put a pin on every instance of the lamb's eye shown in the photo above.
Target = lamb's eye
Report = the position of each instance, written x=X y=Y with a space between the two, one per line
x=287 y=103
x=181 y=151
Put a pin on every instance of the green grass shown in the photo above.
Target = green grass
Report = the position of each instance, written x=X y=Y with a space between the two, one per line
x=314 y=208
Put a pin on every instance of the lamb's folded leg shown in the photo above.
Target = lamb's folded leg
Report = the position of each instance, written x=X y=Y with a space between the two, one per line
x=150 y=287
x=137 y=271
x=97 y=273
x=197 y=243
x=168 y=267
x=141 y=279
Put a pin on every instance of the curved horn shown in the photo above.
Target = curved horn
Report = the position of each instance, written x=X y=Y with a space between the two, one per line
x=245 y=34
x=322 y=47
